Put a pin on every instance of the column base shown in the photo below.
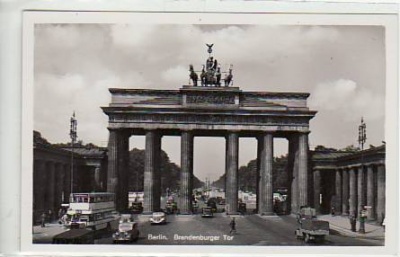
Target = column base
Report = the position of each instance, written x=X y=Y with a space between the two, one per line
x=233 y=213
x=267 y=214
x=186 y=213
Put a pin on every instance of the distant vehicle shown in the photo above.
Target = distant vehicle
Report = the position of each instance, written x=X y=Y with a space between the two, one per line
x=171 y=207
x=242 y=208
x=158 y=218
x=137 y=207
x=78 y=234
x=207 y=212
x=311 y=229
x=95 y=210
x=127 y=232
x=212 y=203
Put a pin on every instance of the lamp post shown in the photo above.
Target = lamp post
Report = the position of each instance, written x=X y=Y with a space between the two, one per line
x=362 y=134
x=73 y=135
x=362 y=137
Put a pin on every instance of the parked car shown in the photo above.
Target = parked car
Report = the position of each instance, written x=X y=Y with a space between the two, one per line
x=207 y=212
x=158 y=218
x=127 y=232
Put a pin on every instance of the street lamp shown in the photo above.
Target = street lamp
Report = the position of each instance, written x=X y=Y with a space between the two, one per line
x=362 y=137
x=362 y=134
x=73 y=135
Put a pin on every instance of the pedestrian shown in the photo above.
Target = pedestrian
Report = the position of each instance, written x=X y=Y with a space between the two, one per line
x=43 y=219
x=60 y=213
x=362 y=218
x=353 y=222
x=232 y=224
x=50 y=213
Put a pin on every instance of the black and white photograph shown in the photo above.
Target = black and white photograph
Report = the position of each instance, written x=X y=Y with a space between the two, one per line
x=207 y=130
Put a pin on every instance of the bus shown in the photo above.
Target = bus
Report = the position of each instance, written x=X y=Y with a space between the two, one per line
x=95 y=210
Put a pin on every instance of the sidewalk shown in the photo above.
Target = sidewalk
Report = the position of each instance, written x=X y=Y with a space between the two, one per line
x=341 y=224
x=46 y=234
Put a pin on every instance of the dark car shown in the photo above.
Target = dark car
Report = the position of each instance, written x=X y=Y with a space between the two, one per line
x=212 y=203
x=76 y=235
x=127 y=233
x=242 y=208
x=137 y=207
x=207 y=212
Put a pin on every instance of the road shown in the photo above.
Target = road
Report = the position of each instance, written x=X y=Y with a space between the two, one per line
x=251 y=230
x=195 y=230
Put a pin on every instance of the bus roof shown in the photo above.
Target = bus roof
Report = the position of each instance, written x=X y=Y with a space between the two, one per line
x=92 y=194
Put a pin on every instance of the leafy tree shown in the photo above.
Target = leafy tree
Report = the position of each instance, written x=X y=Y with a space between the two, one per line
x=169 y=172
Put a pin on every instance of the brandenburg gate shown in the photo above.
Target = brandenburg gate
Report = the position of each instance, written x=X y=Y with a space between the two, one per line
x=194 y=111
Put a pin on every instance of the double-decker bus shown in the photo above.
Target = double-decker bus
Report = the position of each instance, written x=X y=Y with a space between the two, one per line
x=95 y=210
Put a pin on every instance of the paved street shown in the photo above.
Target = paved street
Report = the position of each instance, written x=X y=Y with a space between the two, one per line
x=195 y=230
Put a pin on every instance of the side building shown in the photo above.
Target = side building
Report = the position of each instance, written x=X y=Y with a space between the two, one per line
x=52 y=173
x=344 y=182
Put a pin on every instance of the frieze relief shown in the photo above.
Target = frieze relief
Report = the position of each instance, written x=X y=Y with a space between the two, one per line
x=210 y=99
x=207 y=119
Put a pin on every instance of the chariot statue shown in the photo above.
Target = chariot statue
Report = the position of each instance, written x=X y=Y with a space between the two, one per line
x=211 y=75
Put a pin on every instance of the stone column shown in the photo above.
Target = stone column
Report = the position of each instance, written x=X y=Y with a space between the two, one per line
x=38 y=187
x=58 y=186
x=381 y=198
x=345 y=191
x=67 y=183
x=303 y=169
x=317 y=190
x=186 y=180
x=360 y=188
x=371 y=192
x=51 y=185
x=118 y=167
x=352 y=192
x=151 y=201
x=259 y=149
x=112 y=170
x=232 y=172
x=338 y=190
x=293 y=165
x=265 y=205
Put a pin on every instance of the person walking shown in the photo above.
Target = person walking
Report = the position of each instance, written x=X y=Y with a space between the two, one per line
x=232 y=224
x=43 y=219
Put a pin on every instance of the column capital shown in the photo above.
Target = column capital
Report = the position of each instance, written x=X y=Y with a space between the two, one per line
x=303 y=132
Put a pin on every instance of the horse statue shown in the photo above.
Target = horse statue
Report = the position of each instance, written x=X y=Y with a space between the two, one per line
x=203 y=77
x=218 y=77
x=228 y=78
x=193 y=75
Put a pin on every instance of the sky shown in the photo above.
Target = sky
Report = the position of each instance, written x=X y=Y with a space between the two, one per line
x=342 y=67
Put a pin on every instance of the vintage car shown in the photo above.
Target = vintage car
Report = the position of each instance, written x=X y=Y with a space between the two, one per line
x=158 y=218
x=212 y=203
x=310 y=228
x=137 y=207
x=242 y=208
x=207 y=212
x=171 y=207
x=78 y=234
x=127 y=232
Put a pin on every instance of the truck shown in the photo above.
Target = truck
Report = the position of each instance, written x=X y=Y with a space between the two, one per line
x=310 y=228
